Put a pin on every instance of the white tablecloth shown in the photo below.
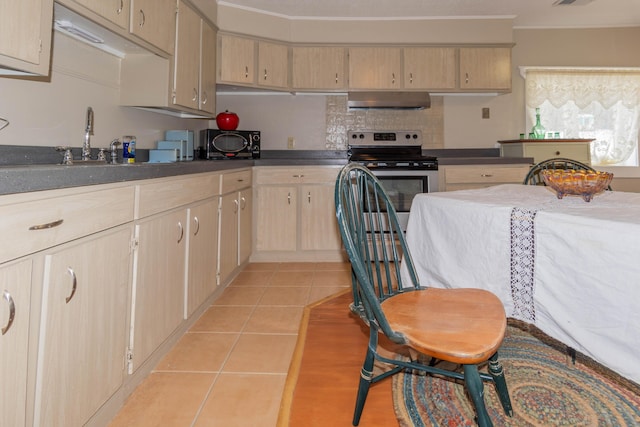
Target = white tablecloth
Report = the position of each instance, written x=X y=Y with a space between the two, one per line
x=570 y=267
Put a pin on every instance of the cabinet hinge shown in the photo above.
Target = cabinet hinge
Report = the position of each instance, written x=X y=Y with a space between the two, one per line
x=129 y=361
x=133 y=245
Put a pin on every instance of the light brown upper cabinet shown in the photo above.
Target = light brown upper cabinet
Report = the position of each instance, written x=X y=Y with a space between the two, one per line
x=25 y=36
x=154 y=21
x=485 y=68
x=208 y=69
x=273 y=65
x=237 y=60
x=250 y=62
x=116 y=11
x=429 y=68
x=186 y=85
x=319 y=68
x=375 y=68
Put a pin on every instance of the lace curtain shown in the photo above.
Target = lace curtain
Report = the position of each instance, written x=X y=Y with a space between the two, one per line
x=599 y=104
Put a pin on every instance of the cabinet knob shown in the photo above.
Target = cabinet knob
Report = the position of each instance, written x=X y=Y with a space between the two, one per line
x=557 y=153
x=12 y=311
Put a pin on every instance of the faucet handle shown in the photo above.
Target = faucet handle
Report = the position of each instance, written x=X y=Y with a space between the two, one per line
x=114 y=152
x=67 y=158
x=102 y=155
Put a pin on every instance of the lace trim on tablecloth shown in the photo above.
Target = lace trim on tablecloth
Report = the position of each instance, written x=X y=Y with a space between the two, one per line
x=523 y=259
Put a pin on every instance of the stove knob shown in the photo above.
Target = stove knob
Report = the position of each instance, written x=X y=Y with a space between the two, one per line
x=407 y=136
x=361 y=136
x=354 y=136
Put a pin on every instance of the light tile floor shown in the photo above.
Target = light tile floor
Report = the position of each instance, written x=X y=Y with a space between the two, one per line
x=230 y=368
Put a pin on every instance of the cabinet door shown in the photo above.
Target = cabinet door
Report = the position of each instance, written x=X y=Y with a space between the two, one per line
x=273 y=65
x=237 y=60
x=15 y=285
x=187 y=58
x=116 y=11
x=485 y=68
x=25 y=36
x=244 y=225
x=276 y=224
x=429 y=68
x=155 y=22
x=203 y=253
x=228 y=236
x=318 y=224
x=83 y=330
x=319 y=68
x=374 y=68
x=159 y=282
x=208 y=69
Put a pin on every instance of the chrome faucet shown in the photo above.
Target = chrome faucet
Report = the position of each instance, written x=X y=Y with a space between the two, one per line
x=86 y=146
x=114 y=152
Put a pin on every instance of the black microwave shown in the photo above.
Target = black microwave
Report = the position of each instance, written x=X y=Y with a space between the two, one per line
x=229 y=144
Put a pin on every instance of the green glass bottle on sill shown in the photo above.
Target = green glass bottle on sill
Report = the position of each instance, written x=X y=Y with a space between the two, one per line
x=537 y=129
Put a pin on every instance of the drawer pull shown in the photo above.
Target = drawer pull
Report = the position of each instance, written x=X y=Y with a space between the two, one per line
x=74 y=284
x=12 y=311
x=289 y=198
x=309 y=196
x=557 y=153
x=243 y=203
x=47 y=225
x=486 y=175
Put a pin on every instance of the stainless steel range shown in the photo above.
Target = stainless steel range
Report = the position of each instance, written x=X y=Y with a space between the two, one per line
x=395 y=157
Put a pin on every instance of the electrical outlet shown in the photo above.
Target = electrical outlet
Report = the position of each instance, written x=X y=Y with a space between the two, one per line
x=291 y=143
x=485 y=113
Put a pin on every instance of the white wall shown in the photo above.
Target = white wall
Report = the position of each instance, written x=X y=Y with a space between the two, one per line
x=52 y=111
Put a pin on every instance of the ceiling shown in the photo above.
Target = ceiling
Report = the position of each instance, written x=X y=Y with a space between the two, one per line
x=525 y=13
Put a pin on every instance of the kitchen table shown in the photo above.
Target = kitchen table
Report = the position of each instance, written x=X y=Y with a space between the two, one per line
x=569 y=267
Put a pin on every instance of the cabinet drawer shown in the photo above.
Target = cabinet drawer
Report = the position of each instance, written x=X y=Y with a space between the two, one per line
x=540 y=152
x=167 y=193
x=34 y=225
x=297 y=175
x=234 y=181
x=493 y=174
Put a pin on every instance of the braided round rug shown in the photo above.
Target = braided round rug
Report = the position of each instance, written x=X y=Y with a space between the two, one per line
x=546 y=389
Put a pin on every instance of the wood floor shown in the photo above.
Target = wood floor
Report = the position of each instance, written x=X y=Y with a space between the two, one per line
x=329 y=372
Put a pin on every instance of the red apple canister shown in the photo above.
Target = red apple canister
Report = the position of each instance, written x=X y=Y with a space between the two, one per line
x=227 y=120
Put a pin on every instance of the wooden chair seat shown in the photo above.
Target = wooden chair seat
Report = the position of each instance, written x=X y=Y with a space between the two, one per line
x=463 y=326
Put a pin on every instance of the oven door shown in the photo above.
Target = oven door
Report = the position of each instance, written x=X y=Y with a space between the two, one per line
x=402 y=185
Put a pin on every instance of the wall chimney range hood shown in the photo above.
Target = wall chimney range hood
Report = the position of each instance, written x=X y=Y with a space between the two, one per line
x=389 y=100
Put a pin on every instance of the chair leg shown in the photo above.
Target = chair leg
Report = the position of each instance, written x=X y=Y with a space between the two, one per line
x=474 y=385
x=366 y=374
x=497 y=373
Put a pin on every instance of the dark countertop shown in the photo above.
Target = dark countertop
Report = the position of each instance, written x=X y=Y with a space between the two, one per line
x=26 y=169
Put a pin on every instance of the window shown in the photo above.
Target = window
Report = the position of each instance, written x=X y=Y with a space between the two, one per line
x=603 y=104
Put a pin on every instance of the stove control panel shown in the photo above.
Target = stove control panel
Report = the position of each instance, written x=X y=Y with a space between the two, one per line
x=384 y=138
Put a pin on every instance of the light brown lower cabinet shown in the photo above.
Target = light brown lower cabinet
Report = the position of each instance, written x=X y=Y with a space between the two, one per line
x=15 y=285
x=295 y=214
x=83 y=327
